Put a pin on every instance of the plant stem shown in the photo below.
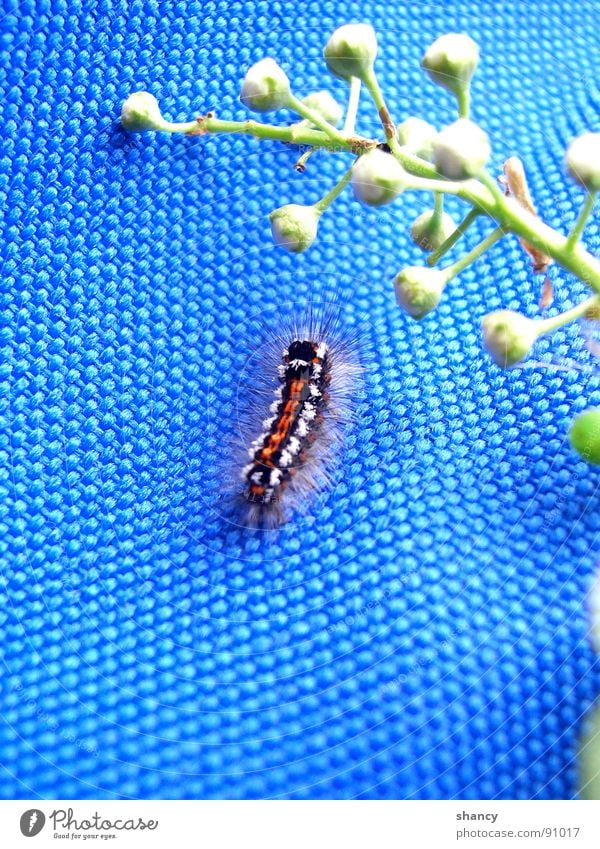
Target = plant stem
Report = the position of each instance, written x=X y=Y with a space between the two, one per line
x=452 y=270
x=493 y=187
x=464 y=101
x=449 y=187
x=294 y=134
x=313 y=116
x=483 y=193
x=547 y=325
x=301 y=163
x=513 y=217
x=438 y=208
x=352 y=109
x=582 y=218
x=326 y=201
x=453 y=237
x=388 y=125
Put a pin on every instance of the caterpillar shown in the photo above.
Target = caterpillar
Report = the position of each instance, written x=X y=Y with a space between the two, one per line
x=310 y=378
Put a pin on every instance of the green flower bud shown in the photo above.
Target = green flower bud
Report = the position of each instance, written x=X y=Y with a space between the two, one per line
x=418 y=136
x=589 y=755
x=583 y=160
x=351 y=51
x=508 y=336
x=265 y=87
x=325 y=105
x=294 y=227
x=451 y=61
x=461 y=150
x=585 y=435
x=429 y=230
x=419 y=289
x=141 y=112
x=378 y=178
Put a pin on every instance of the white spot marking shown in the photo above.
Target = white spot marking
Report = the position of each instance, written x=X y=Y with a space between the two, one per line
x=302 y=428
x=286 y=458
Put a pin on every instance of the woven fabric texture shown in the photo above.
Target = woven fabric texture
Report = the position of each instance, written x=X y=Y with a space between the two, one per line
x=426 y=635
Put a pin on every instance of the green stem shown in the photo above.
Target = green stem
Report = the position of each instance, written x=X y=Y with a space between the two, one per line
x=301 y=163
x=464 y=101
x=582 y=218
x=448 y=187
x=547 y=325
x=453 y=237
x=389 y=128
x=458 y=266
x=414 y=164
x=493 y=187
x=178 y=126
x=326 y=201
x=514 y=218
x=313 y=116
x=294 y=134
x=483 y=193
x=352 y=109
x=438 y=208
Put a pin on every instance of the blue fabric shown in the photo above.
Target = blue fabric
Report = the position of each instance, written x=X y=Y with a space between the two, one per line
x=426 y=636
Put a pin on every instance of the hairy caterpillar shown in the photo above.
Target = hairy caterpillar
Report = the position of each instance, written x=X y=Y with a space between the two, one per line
x=296 y=402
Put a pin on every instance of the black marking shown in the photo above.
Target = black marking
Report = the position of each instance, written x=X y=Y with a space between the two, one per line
x=299 y=402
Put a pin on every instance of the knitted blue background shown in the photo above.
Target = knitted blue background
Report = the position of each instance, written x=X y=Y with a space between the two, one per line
x=426 y=636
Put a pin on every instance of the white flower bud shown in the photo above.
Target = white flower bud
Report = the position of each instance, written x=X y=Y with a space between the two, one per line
x=351 y=51
x=429 y=230
x=461 y=150
x=265 y=87
x=141 y=112
x=508 y=336
x=583 y=160
x=419 y=289
x=294 y=227
x=451 y=61
x=378 y=178
x=325 y=105
x=417 y=136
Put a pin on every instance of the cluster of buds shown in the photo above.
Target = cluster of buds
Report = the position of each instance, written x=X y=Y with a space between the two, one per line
x=414 y=155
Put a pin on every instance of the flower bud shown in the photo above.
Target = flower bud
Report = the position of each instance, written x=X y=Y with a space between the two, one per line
x=589 y=755
x=584 y=435
x=429 y=230
x=583 y=160
x=378 y=178
x=451 y=61
x=265 y=87
x=508 y=336
x=325 y=105
x=419 y=289
x=141 y=112
x=351 y=51
x=417 y=136
x=461 y=150
x=294 y=227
